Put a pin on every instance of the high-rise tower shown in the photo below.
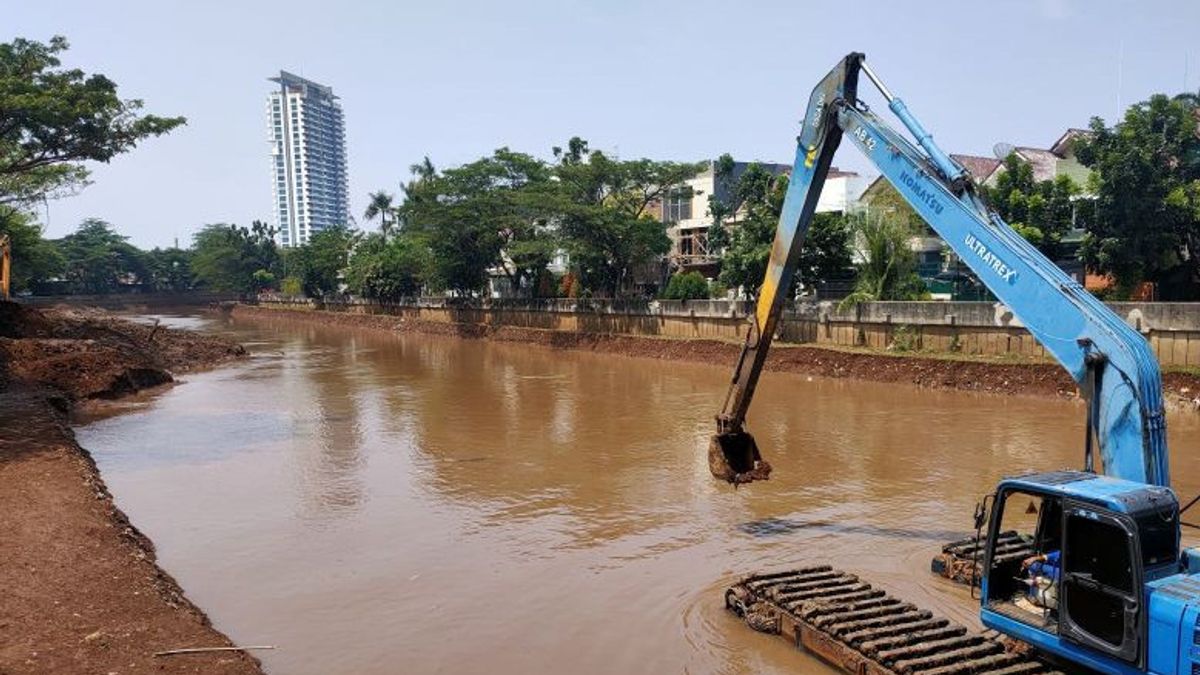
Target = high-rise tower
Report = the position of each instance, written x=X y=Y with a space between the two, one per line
x=308 y=155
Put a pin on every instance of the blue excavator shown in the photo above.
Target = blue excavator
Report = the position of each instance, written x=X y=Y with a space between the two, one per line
x=1126 y=599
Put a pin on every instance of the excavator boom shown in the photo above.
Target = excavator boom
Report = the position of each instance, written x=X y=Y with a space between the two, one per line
x=1112 y=364
x=733 y=454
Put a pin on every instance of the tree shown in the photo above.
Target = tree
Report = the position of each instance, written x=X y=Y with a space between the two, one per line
x=319 y=263
x=230 y=258
x=826 y=254
x=888 y=266
x=380 y=206
x=605 y=224
x=760 y=194
x=497 y=212
x=99 y=260
x=888 y=203
x=686 y=286
x=170 y=269
x=718 y=209
x=1041 y=211
x=389 y=269
x=826 y=251
x=52 y=119
x=1145 y=225
x=34 y=259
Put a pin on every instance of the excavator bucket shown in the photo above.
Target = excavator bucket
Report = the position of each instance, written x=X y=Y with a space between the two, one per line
x=734 y=458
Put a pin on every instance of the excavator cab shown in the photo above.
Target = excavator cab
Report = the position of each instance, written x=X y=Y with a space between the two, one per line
x=1097 y=540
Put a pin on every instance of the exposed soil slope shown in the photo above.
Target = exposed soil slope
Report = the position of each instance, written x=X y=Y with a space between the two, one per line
x=82 y=592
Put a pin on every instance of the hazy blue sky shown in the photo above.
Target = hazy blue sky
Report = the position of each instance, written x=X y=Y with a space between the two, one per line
x=667 y=80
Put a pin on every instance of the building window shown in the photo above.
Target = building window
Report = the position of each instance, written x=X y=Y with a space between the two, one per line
x=678 y=205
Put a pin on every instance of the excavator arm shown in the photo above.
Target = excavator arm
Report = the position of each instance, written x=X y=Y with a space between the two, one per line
x=1112 y=364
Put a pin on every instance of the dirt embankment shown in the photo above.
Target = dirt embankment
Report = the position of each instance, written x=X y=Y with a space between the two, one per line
x=941 y=371
x=81 y=590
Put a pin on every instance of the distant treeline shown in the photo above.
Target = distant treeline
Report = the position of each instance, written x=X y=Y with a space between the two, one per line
x=581 y=223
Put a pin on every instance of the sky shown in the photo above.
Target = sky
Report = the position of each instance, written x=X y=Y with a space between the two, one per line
x=686 y=81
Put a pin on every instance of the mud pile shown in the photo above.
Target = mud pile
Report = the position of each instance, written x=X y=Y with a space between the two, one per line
x=83 y=593
x=91 y=354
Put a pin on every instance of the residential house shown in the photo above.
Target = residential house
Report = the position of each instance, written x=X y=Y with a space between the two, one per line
x=928 y=245
x=685 y=210
x=1058 y=159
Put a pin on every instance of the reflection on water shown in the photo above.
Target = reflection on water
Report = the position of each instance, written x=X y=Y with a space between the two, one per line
x=770 y=527
x=377 y=504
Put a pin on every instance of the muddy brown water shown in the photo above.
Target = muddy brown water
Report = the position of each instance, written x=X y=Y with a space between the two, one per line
x=380 y=504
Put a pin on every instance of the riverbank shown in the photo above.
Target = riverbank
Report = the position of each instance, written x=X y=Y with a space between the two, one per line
x=83 y=593
x=1008 y=374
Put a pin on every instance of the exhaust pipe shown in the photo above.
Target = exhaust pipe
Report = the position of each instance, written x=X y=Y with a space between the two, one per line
x=734 y=458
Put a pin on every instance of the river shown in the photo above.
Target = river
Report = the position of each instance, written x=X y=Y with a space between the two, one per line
x=372 y=503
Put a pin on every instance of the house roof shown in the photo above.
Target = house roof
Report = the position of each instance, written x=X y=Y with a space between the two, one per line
x=1044 y=162
x=1063 y=144
x=980 y=167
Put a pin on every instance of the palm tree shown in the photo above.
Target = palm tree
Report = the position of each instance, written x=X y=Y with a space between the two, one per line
x=423 y=173
x=423 y=170
x=380 y=205
x=887 y=267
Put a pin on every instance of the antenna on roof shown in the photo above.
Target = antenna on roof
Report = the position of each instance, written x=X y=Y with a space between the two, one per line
x=1002 y=150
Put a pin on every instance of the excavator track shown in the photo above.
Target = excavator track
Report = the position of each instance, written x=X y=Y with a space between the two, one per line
x=865 y=631
x=962 y=560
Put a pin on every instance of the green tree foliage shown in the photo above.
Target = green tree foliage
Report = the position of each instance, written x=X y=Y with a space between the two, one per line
x=686 y=286
x=230 y=258
x=99 y=260
x=826 y=252
x=604 y=221
x=888 y=203
x=494 y=212
x=380 y=206
x=1041 y=211
x=719 y=210
x=1146 y=178
x=389 y=269
x=291 y=287
x=34 y=259
x=170 y=269
x=52 y=119
x=318 y=264
x=888 y=266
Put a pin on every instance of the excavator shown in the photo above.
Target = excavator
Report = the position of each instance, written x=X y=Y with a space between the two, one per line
x=1126 y=598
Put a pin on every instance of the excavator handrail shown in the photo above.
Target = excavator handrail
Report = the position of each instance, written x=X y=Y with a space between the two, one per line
x=1110 y=361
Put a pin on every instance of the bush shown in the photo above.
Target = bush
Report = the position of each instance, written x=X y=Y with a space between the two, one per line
x=686 y=286
x=389 y=269
x=291 y=286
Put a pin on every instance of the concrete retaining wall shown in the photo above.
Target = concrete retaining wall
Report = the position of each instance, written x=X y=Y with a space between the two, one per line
x=129 y=300
x=981 y=328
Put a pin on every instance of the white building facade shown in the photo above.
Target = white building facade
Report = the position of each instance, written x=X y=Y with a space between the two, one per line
x=308 y=159
x=685 y=210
